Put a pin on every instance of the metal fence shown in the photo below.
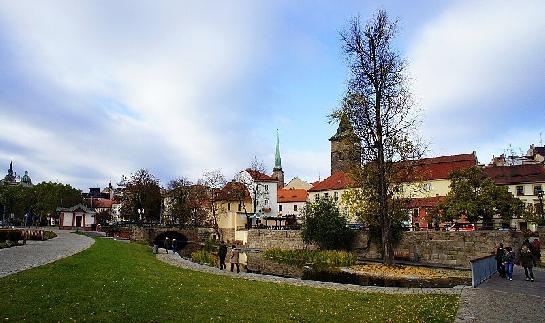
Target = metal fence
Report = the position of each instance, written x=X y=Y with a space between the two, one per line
x=482 y=269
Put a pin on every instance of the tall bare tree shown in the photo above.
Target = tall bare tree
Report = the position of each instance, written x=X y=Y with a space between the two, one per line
x=212 y=182
x=380 y=109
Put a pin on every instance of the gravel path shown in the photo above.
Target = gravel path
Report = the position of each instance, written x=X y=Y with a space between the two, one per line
x=178 y=261
x=501 y=300
x=37 y=253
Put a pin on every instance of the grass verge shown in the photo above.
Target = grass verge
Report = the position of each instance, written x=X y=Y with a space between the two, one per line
x=115 y=281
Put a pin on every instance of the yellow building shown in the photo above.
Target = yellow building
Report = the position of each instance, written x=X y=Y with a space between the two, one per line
x=234 y=208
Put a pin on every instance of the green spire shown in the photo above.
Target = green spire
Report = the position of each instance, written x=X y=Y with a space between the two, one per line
x=277 y=159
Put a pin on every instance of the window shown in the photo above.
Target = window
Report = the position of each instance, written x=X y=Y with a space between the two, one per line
x=228 y=206
x=415 y=213
x=295 y=207
x=335 y=196
x=280 y=207
x=266 y=188
x=266 y=201
x=239 y=207
x=537 y=189
x=520 y=190
x=326 y=195
x=316 y=197
x=427 y=187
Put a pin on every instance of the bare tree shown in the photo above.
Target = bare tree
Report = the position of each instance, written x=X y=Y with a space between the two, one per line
x=212 y=182
x=380 y=109
x=252 y=179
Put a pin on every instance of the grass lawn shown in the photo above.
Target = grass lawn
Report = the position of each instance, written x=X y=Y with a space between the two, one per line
x=114 y=281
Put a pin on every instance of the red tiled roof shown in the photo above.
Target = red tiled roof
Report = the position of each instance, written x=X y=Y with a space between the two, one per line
x=440 y=167
x=337 y=181
x=531 y=173
x=259 y=176
x=292 y=195
x=425 y=202
x=232 y=191
x=102 y=203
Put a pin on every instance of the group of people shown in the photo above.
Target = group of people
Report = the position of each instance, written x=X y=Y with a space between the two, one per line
x=529 y=255
x=171 y=245
x=233 y=259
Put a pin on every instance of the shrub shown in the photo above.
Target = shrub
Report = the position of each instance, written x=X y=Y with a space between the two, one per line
x=49 y=235
x=326 y=226
x=204 y=257
x=11 y=235
x=319 y=260
x=211 y=245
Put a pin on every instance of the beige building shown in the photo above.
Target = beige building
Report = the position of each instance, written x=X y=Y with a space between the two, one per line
x=333 y=187
x=298 y=184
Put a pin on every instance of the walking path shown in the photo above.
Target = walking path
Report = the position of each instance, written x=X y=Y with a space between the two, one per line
x=37 y=253
x=176 y=260
x=501 y=300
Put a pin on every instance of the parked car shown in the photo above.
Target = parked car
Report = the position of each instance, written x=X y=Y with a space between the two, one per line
x=461 y=227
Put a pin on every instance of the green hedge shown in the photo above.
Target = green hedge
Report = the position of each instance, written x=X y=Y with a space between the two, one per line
x=316 y=259
x=204 y=257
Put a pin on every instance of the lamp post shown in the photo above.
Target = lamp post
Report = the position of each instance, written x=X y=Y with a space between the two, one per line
x=540 y=197
x=141 y=214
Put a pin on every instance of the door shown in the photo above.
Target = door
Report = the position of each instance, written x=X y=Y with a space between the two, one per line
x=78 y=221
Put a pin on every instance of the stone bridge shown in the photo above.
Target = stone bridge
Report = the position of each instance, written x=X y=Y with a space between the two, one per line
x=156 y=235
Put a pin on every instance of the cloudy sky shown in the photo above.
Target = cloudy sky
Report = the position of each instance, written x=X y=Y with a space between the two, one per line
x=91 y=90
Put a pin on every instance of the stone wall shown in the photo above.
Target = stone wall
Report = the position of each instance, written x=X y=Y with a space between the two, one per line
x=435 y=247
x=149 y=234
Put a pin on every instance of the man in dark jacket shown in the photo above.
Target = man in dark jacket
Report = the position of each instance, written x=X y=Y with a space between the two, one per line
x=500 y=252
x=222 y=253
x=527 y=261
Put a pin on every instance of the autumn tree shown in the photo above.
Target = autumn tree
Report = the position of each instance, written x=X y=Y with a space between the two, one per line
x=186 y=204
x=478 y=198
x=141 y=193
x=252 y=179
x=382 y=114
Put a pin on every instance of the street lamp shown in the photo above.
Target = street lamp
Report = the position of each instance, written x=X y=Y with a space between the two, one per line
x=140 y=214
x=540 y=197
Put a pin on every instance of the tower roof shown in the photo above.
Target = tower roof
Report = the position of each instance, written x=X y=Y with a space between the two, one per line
x=277 y=158
x=345 y=129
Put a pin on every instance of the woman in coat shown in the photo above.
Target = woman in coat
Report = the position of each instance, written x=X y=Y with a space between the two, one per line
x=527 y=261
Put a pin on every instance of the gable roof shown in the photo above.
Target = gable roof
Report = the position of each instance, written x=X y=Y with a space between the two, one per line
x=337 y=181
x=440 y=167
x=232 y=191
x=529 y=173
x=259 y=176
x=292 y=195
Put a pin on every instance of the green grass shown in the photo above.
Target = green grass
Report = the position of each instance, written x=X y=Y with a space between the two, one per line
x=114 y=281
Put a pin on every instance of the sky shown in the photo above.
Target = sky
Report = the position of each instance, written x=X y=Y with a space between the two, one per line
x=92 y=90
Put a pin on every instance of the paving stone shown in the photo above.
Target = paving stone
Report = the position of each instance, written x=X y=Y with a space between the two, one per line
x=38 y=253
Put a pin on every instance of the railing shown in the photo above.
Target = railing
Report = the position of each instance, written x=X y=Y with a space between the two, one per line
x=482 y=269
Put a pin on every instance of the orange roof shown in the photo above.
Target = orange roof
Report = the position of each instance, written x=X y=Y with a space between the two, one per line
x=103 y=203
x=232 y=191
x=292 y=195
x=259 y=176
x=425 y=201
x=440 y=167
x=337 y=181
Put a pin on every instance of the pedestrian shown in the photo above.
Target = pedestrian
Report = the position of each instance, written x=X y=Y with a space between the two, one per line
x=500 y=252
x=508 y=260
x=174 y=245
x=222 y=253
x=527 y=261
x=167 y=244
x=234 y=258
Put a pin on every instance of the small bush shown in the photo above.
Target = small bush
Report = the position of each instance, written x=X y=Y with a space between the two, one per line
x=319 y=260
x=204 y=257
x=211 y=245
x=49 y=235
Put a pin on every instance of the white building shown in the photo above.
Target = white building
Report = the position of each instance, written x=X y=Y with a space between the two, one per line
x=76 y=217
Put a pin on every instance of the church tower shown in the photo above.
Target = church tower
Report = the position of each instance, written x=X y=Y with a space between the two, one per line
x=345 y=148
x=278 y=173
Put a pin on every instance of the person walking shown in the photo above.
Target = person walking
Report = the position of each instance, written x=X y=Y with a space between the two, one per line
x=222 y=253
x=174 y=245
x=527 y=261
x=508 y=260
x=167 y=244
x=500 y=252
x=234 y=258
